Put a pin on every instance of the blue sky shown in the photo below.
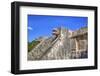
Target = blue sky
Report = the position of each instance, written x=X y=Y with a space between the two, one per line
x=42 y=25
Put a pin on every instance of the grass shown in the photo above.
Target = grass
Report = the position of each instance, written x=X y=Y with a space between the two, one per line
x=32 y=44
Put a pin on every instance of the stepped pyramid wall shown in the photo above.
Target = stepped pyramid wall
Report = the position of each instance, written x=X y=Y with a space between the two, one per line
x=60 y=46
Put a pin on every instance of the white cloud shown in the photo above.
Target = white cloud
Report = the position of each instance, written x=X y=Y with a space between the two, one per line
x=30 y=28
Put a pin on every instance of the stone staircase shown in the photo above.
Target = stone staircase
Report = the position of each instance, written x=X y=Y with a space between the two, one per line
x=59 y=47
x=42 y=48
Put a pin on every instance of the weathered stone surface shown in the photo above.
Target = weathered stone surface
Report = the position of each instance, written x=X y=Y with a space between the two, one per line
x=61 y=46
x=40 y=49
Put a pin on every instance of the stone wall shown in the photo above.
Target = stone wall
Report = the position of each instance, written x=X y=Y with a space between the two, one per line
x=60 y=47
